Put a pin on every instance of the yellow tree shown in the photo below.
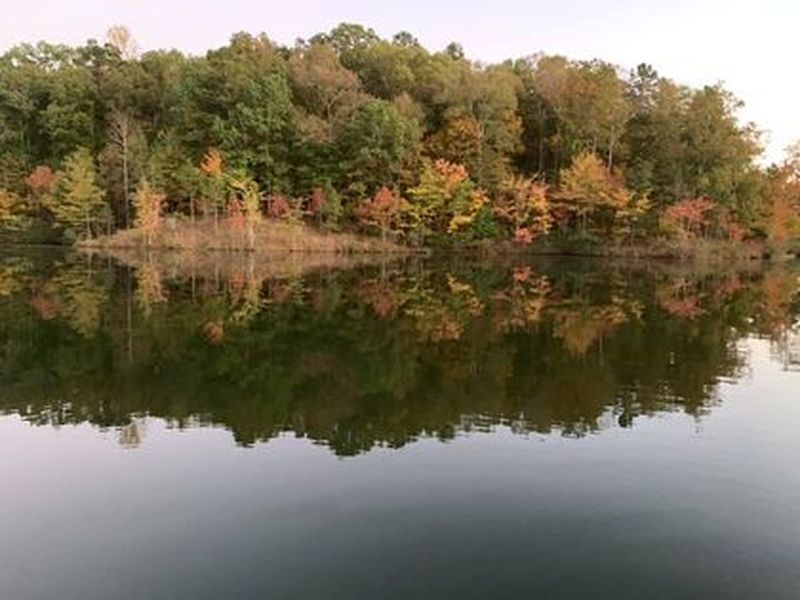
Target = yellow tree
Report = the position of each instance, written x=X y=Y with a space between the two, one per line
x=212 y=167
x=249 y=194
x=459 y=141
x=9 y=201
x=446 y=199
x=587 y=186
x=147 y=202
x=523 y=203
x=782 y=220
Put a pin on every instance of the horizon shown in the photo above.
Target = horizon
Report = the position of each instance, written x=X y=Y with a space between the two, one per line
x=624 y=33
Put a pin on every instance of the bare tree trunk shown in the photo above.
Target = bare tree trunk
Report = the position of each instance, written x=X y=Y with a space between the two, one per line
x=542 y=119
x=559 y=148
x=541 y=155
x=125 y=180
x=610 y=156
x=119 y=132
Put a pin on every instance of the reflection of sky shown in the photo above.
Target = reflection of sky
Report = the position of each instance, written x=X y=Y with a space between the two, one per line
x=749 y=45
x=709 y=508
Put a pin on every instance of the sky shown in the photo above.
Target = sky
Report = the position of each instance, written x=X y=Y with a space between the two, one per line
x=746 y=45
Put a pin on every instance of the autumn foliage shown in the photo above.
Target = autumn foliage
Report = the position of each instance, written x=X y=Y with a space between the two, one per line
x=347 y=132
x=148 y=204
x=212 y=164
x=42 y=180
x=525 y=206
x=382 y=211
x=689 y=218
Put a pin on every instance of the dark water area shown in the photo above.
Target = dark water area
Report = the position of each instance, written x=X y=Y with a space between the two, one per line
x=416 y=428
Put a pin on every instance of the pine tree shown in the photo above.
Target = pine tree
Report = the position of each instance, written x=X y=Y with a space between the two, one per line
x=80 y=201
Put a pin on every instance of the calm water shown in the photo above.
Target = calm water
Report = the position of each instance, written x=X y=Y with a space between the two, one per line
x=194 y=429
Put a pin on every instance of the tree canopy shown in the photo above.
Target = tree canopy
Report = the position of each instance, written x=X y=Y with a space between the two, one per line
x=352 y=113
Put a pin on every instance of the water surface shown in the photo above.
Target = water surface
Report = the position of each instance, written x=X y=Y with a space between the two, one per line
x=561 y=429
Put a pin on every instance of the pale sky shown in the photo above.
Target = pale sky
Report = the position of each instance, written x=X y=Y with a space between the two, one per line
x=745 y=44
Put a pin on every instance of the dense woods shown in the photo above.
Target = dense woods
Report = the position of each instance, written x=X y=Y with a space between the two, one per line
x=349 y=131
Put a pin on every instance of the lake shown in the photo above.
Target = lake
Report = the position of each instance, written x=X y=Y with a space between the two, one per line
x=227 y=428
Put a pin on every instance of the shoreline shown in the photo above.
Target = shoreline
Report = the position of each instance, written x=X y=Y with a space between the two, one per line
x=633 y=254
x=274 y=239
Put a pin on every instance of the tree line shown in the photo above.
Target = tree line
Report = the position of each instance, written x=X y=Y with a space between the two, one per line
x=347 y=130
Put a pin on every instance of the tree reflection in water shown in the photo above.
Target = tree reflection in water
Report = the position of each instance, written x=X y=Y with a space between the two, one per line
x=375 y=354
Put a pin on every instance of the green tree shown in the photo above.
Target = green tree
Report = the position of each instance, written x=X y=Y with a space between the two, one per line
x=325 y=95
x=79 y=205
x=376 y=146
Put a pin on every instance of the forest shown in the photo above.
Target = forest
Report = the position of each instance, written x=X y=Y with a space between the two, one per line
x=350 y=132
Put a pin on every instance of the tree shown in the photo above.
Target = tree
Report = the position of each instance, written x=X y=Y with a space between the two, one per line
x=123 y=138
x=782 y=218
x=719 y=152
x=172 y=170
x=382 y=211
x=42 y=183
x=587 y=187
x=250 y=197
x=316 y=204
x=120 y=38
x=460 y=140
x=68 y=121
x=596 y=108
x=9 y=204
x=376 y=145
x=352 y=112
x=80 y=202
x=148 y=204
x=656 y=138
x=326 y=205
x=212 y=167
x=446 y=199
x=688 y=218
x=481 y=107
x=523 y=203
x=323 y=87
x=325 y=95
x=548 y=91
x=238 y=99
x=348 y=39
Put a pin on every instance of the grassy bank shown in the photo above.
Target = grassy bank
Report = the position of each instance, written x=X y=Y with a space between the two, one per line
x=241 y=266
x=269 y=236
x=700 y=250
x=278 y=238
